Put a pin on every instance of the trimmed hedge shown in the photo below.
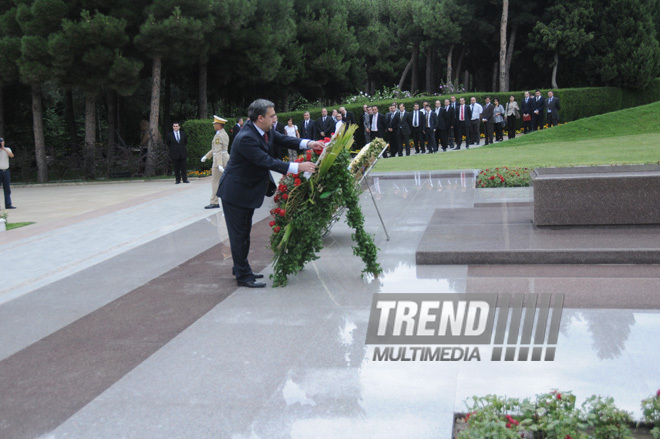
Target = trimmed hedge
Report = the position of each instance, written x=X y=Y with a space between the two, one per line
x=576 y=103
x=200 y=135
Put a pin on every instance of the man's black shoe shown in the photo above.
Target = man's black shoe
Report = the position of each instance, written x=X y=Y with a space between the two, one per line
x=212 y=206
x=186 y=181
x=178 y=182
x=10 y=207
x=258 y=275
x=251 y=284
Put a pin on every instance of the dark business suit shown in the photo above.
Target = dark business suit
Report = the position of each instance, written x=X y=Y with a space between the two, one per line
x=538 y=108
x=453 y=127
x=324 y=128
x=178 y=154
x=392 y=121
x=526 y=108
x=430 y=125
x=552 y=109
x=245 y=182
x=489 y=124
x=405 y=122
x=235 y=130
x=348 y=118
x=463 y=125
x=442 y=132
x=417 y=131
x=308 y=129
x=380 y=124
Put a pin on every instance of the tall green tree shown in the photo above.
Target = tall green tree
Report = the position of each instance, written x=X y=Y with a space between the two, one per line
x=328 y=46
x=167 y=33
x=625 y=52
x=87 y=53
x=563 y=31
x=37 y=20
x=10 y=50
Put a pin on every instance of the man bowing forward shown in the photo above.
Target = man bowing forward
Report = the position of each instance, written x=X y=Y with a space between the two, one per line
x=246 y=180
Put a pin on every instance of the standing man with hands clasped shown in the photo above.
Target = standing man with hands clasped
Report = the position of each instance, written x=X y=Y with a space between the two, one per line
x=5 y=155
x=219 y=152
x=177 y=141
x=247 y=180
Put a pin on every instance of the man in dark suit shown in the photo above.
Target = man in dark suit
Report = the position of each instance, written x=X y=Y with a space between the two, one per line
x=526 y=110
x=453 y=129
x=450 y=121
x=246 y=180
x=377 y=124
x=392 y=122
x=325 y=125
x=488 y=118
x=430 y=125
x=237 y=127
x=463 y=116
x=417 y=127
x=553 y=107
x=177 y=140
x=347 y=116
x=404 y=130
x=308 y=127
x=281 y=152
x=538 y=109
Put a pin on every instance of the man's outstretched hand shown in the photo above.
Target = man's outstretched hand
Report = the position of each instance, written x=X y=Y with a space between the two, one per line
x=316 y=146
x=306 y=167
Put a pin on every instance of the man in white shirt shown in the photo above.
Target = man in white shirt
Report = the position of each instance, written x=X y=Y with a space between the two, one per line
x=475 y=133
x=5 y=155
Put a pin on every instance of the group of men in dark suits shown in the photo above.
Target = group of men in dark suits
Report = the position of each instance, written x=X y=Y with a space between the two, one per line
x=534 y=108
x=430 y=129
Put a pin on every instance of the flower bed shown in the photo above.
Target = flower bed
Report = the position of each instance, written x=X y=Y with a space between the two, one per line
x=503 y=177
x=552 y=415
x=305 y=207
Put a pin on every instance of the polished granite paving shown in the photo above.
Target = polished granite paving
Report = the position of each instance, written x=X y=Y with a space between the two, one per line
x=157 y=341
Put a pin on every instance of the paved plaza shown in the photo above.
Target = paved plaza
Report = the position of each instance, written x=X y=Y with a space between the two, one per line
x=119 y=318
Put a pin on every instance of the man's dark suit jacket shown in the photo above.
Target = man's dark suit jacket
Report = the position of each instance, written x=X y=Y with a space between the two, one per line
x=553 y=106
x=246 y=178
x=405 y=123
x=467 y=114
x=526 y=108
x=310 y=132
x=235 y=130
x=177 y=149
x=538 y=105
x=380 y=123
x=279 y=127
x=327 y=127
x=450 y=116
x=433 y=122
x=349 y=118
x=489 y=113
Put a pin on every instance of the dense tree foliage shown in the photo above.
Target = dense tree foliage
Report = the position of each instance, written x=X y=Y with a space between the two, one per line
x=95 y=70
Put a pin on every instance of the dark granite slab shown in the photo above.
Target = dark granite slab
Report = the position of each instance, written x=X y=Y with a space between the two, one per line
x=597 y=195
x=504 y=234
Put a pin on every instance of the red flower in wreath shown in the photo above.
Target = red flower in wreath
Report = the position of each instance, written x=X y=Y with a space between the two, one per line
x=297 y=182
x=285 y=196
x=282 y=212
x=276 y=229
x=272 y=223
x=308 y=154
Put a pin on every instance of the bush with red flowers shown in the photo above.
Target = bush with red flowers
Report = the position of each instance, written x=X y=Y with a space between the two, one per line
x=503 y=177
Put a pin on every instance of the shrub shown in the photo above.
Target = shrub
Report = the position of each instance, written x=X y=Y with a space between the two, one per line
x=503 y=177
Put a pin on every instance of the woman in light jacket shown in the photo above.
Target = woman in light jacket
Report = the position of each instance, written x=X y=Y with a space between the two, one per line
x=512 y=114
x=498 y=112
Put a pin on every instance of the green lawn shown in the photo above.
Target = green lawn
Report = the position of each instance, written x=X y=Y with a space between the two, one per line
x=622 y=137
x=10 y=226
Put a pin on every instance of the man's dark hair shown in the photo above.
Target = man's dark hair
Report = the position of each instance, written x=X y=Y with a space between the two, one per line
x=259 y=108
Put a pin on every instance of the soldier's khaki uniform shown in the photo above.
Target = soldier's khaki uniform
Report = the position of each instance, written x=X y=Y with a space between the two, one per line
x=220 y=154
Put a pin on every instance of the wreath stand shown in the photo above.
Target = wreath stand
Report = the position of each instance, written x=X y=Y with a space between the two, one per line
x=340 y=211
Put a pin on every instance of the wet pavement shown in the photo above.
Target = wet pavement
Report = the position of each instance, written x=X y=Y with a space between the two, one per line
x=123 y=320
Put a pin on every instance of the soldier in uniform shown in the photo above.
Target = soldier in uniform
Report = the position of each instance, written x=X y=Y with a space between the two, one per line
x=220 y=154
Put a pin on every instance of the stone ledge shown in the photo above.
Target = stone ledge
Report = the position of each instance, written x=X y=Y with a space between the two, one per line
x=596 y=195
